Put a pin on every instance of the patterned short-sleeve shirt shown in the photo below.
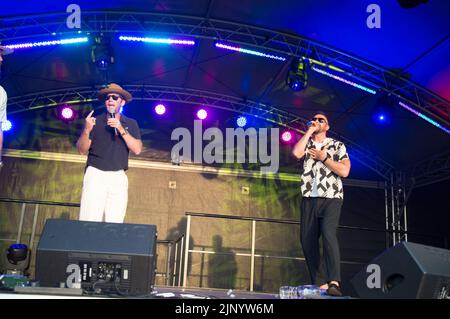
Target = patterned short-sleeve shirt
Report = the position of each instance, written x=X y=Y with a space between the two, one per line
x=329 y=185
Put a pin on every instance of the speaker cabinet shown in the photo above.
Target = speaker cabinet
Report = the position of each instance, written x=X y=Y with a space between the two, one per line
x=116 y=258
x=407 y=270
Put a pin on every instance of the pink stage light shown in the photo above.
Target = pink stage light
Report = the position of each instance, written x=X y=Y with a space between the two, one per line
x=67 y=113
x=202 y=114
x=286 y=136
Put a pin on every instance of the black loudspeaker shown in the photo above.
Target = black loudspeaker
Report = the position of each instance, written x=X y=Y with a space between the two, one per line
x=115 y=258
x=407 y=270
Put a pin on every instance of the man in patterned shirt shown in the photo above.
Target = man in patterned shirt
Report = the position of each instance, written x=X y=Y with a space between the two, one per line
x=325 y=162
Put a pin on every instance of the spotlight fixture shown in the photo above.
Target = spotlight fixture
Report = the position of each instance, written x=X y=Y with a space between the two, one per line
x=160 y=109
x=202 y=114
x=297 y=76
x=241 y=121
x=286 y=136
x=66 y=113
x=16 y=259
x=6 y=126
x=383 y=111
x=102 y=53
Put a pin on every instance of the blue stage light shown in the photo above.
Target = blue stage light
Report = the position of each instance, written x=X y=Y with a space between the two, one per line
x=241 y=121
x=6 y=126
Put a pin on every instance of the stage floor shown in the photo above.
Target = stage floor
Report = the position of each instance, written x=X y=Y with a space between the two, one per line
x=160 y=292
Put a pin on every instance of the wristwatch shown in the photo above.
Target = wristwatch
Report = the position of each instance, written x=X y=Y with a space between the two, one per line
x=125 y=132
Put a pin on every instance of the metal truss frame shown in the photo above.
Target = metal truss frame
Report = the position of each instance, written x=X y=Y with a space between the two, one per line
x=44 y=25
x=432 y=170
x=398 y=184
x=275 y=115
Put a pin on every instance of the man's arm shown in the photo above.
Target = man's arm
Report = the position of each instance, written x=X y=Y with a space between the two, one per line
x=299 y=148
x=84 y=142
x=134 y=144
x=341 y=168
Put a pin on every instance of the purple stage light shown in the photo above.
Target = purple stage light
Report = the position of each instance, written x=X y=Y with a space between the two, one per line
x=286 y=136
x=202 y=114
x=67 y=113
x=160 y=109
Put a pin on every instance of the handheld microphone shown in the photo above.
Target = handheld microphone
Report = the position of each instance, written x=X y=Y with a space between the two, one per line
x=309 y=123
x=112 y=114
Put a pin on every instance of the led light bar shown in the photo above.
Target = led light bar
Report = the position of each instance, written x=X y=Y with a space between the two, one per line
x=157 y=40
x=46 y=43
x=252 y=52
x=426 y=118
x=356 y=85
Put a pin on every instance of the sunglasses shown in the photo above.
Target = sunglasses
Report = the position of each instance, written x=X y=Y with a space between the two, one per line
x=321 y=120
x=114 y=97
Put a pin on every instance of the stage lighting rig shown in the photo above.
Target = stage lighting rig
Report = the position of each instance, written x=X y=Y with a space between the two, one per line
x=16 y=259
x=297 y=76
x=102 y=52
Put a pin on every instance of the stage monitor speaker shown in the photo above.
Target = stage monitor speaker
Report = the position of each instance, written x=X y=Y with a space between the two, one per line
x=407 y=271
x=115 y=258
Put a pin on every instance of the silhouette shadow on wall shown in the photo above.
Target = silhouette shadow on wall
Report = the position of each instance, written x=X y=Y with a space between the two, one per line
x=222 y=266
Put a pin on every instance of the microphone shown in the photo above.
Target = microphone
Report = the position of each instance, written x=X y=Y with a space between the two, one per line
x=309 y=123
x=112 y=114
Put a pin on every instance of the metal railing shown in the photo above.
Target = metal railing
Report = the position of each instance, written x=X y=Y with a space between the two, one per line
x=252 y=253
x=172 y=274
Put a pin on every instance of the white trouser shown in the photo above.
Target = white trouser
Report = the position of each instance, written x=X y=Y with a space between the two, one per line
x=104 y=192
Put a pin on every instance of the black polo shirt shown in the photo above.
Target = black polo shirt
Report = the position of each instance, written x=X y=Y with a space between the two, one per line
x=108 y=151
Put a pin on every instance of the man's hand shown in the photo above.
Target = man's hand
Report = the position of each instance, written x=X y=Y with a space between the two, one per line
x=318 y=154
x=113 y=122
x=314 y=127
x=89 y=122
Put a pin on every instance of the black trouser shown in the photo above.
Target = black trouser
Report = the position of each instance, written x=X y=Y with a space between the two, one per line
x=320 y=217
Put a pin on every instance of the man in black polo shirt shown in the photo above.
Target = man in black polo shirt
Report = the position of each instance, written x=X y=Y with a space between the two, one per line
x=107 y=141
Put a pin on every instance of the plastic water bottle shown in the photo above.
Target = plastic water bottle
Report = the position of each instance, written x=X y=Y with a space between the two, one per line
x=300 y=292
x=308 y=292
x=288 y=292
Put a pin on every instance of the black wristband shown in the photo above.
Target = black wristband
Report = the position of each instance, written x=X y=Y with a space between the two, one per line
x=325 y=159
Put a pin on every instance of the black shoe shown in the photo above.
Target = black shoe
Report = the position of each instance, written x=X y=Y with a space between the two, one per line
x=334 y=290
